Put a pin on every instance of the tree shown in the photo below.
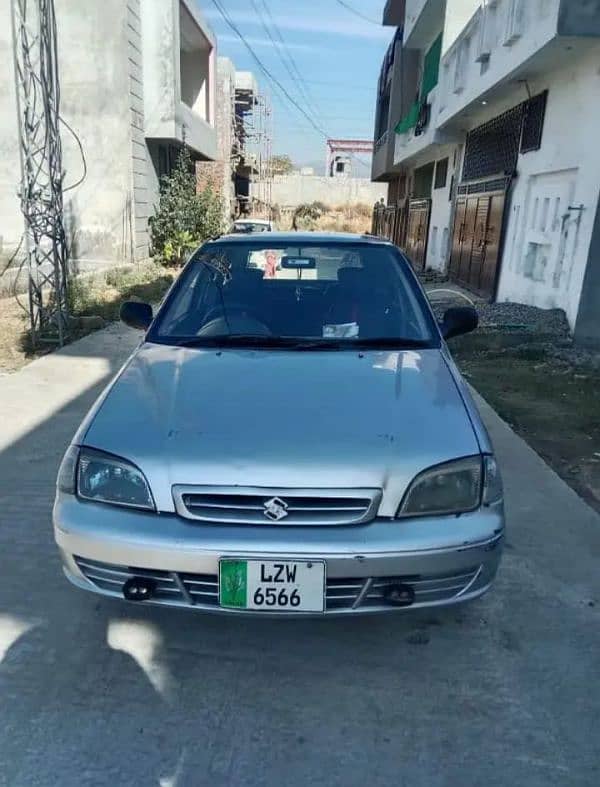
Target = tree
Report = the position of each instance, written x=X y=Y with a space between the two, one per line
x=281 y=165
x=183 y=218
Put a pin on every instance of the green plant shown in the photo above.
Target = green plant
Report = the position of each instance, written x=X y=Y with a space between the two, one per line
x=102 y=295
x=183 y=218
x=177 y=248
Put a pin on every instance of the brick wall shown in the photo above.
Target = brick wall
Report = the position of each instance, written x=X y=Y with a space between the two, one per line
x=210 y=173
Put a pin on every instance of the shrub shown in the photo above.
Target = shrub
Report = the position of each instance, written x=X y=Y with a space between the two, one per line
x=305 y=216
x=183 y=218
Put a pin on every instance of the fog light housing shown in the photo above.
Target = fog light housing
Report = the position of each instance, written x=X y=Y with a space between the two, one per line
x=139 y=589
x=400 y=595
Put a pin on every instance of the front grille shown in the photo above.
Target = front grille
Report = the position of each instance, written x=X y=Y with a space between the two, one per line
x=257 y=506
x=171 y=587
x=343 y=593
x=186 y=589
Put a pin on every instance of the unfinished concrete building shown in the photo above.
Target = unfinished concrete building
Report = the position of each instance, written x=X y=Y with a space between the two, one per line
x=137 y=80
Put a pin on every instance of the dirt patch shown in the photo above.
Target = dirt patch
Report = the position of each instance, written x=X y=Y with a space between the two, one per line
x=94 y=301
x=14 y=323
x=547 y=390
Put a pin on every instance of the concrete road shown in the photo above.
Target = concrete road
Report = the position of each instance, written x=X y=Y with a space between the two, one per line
x=92 y=692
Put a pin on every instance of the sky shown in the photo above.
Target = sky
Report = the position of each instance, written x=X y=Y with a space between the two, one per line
x=337 y=52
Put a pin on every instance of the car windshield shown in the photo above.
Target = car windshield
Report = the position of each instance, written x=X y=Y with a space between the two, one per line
x=303 y=295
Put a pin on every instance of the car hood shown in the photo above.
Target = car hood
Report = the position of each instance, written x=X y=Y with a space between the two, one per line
x=283 y=419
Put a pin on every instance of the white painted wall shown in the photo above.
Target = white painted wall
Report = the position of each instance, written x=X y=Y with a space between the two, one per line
x=421 y=17
x=510 y=32
x=440 y=228
x=295 y=189
x=546 y=247
x=440 y=223
x=458 y=14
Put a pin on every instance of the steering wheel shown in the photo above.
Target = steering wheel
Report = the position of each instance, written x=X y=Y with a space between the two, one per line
x=233 y=312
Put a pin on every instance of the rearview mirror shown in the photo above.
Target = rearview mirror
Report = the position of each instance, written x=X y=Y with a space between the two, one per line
x=136 y=314
x=459 y=320
x=298 y=263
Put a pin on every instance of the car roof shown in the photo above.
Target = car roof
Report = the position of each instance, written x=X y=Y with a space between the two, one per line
x=294 y=238
x=251 y=221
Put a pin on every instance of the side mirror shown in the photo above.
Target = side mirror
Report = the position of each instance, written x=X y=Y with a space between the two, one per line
x=459 y=320
x=136 y=314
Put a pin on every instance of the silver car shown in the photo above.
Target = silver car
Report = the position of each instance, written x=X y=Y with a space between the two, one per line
x=287 y=440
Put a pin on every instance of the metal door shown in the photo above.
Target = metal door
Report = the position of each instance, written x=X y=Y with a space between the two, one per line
x=418 y=230
x=464 y=268
x=477 y=236
x=479 y=239
x=491 y=256
x=457 y=238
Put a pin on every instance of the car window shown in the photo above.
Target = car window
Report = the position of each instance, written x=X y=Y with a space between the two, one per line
x=304 y=291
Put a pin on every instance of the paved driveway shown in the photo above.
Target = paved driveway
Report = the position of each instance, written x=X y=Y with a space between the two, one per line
x=503 y=692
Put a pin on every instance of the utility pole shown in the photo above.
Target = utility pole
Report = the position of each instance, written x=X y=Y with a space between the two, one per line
x=41 y=192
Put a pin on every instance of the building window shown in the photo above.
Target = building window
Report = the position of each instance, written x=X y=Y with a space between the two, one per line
x=423 y=179
x=534 y=113
x=441 y=174
x=163 y=161
x=194 y=65
x=493 y=148
x=487 y=39
x=515 y=21
x=463 y=55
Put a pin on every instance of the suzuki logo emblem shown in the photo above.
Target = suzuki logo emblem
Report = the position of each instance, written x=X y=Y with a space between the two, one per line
x=275 y=509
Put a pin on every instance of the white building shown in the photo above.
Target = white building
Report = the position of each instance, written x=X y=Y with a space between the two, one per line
x=495 y=168
x=137 y=79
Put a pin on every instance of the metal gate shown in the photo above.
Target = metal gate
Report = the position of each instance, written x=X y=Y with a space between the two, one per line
x=477 y=235
x=419 y=212
x=390 y=222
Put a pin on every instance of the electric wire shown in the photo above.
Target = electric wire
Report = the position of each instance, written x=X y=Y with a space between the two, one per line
x=357 y=13
x=232 y=25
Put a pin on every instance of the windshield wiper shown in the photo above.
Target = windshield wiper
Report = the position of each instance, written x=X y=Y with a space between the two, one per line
x=237 y=340
x=387 y=343
x=291 y=343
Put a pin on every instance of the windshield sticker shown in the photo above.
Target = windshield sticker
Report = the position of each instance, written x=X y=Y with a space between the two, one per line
x=268 y=261
x=346 y=330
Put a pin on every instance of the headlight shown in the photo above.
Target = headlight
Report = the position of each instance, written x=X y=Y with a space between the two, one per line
x=107 y=479
x=452 y=488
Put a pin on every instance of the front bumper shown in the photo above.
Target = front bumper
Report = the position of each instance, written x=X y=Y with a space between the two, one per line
x=445 y=560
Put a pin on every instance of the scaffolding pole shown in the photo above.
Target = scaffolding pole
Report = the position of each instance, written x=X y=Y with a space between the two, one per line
x=41 y=190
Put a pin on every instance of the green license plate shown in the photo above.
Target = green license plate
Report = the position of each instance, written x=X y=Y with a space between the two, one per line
x=272 y=585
